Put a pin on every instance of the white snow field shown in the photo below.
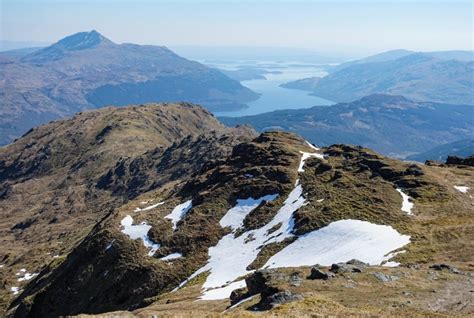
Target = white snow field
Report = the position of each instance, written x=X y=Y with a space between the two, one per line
x=179 y=212
x=229 y=259
x=222 y=292
x=407 y=205
x=340 y=241
x=462 y=189
x=139 y=231
x=234 y=218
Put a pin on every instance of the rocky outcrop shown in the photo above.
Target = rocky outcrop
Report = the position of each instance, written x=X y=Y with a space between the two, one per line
x=453 y=160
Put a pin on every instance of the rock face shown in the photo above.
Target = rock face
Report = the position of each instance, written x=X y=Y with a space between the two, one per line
x=453 y=160
x=88 y=71
x=317 y=273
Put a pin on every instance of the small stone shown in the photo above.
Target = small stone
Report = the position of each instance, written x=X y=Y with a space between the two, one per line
x=385 y=278
x=283 y=297
x=316 y=273
x=440 y=267
x=296 y=279
x=347 y=268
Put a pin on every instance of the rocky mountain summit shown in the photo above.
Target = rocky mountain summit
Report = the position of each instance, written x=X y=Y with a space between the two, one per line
x=88 y=71
x=161 y=210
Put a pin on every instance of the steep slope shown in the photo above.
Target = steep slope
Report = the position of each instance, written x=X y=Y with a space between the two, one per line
x=87 y=71
x=392 y=125
x=58 y=180
x=461 y=148
x=418 y=76
x=273 y=202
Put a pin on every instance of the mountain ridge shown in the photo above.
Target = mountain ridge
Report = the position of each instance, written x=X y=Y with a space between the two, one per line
x=122 y=194
x=88 y=71
x=393 y=125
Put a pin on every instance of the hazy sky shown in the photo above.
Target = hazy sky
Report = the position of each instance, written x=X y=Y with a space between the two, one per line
x=325 y=25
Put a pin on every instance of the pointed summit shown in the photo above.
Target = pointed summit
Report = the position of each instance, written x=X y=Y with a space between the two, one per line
x=82 y=41
x=76 y=42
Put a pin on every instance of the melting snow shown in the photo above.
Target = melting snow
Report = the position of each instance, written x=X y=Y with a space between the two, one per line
x=341 y=241
x=312 y=146
x=248 y=175
x=171 y=256
x=26 y=276
x=139 y=231
x=179 y=212
x=235 y=216
x=407 y=205
x=306 y=155
x=462 y=189
x=222 y=292
x=231 y=256
x=15 y=290
x=148 y=207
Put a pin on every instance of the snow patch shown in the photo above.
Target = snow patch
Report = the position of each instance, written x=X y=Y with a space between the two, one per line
x=234 y=218
x=340 y=241
x=171 y=256
x=148 y=207
x=407 y=205
x=306 y=155
x=15 y=290
x=139 y=231
x=222 y=292
x=26 y=276
x=229 y=259
x=462 y=189
x=179 y=212
x=312 y=146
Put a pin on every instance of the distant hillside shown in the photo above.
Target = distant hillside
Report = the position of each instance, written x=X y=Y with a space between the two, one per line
x=462 y=148
x=396 y=54
x=87 y=70
x=444 y=77
x=392 y=125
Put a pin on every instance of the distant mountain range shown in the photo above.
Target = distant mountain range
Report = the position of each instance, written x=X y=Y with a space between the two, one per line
x=87 y=70
x=461 y=148
x=444 y=77
x=393 y=125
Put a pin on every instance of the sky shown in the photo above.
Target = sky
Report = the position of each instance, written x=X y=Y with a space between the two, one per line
x=350 y=26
